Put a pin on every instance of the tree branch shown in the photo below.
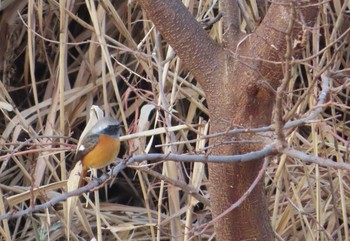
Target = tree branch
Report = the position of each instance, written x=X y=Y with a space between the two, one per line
x=231 y=22
x=96 y=183
x=280 y=93
x=90 y=186
x=186 y=36
x=315 y=159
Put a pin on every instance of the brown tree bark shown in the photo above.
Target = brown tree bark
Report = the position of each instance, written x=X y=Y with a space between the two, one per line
x=239 y=87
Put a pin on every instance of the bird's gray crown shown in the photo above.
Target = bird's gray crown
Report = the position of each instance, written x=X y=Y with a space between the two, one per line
x=107 y=126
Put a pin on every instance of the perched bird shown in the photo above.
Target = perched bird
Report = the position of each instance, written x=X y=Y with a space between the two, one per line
x=100 y=146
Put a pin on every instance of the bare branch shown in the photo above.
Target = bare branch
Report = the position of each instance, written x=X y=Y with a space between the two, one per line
x=211 y=22
x=231 y=22
x=256 y=155
x=90 y=186
x=317 y=110
x=186 y=36
x=246 y=16
x=96 y=183
x=278 y=115
x=315 y=159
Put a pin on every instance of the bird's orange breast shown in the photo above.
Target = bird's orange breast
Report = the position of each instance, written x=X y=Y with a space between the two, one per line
x=104 y=152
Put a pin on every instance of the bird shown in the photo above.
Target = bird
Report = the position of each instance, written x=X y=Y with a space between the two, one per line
x=99 y=147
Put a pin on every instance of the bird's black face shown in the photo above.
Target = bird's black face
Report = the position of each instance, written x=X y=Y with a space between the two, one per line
x=112 y=130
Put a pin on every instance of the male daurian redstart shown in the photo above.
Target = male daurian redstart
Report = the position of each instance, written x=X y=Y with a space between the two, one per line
x=100 y=146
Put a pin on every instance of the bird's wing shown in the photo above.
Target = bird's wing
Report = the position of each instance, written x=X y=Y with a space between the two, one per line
x=86 y=146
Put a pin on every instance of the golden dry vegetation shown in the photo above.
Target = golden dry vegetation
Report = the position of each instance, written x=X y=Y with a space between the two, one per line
x=59 y=58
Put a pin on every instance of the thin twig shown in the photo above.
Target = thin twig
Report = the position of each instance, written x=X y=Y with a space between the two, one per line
x=278 y=112
x=212 y=21
x=245 y=16
x=90 y=186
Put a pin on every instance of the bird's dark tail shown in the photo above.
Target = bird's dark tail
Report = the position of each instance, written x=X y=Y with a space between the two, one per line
x=82 y=177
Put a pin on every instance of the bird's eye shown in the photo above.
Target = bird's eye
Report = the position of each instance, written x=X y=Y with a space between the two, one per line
x=112 y=129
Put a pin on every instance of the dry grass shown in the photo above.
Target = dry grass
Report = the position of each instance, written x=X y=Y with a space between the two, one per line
x=110 y=55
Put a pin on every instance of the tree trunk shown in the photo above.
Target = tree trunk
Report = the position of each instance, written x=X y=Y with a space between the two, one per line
x=239 y=86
